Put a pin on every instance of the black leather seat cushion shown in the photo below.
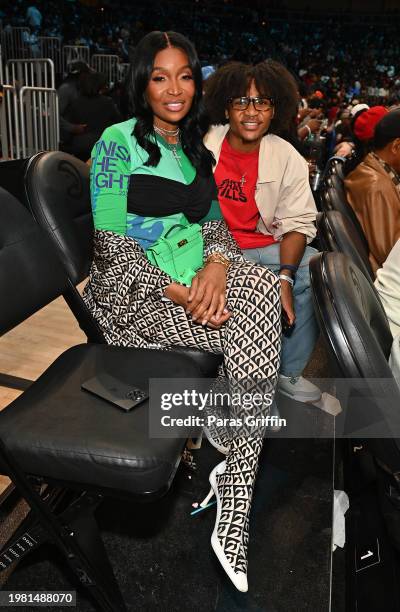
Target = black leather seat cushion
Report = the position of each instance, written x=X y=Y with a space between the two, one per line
x=206 y=362
x=60 y=432
x=337 y=233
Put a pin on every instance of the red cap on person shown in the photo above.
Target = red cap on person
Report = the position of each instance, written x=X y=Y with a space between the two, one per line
x=364 y=125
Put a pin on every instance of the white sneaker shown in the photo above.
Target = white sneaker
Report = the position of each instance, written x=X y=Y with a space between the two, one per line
x=299 y=389
x=274 y=412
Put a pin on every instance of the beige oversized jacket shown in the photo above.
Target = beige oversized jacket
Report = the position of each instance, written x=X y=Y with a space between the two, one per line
x=283 y=194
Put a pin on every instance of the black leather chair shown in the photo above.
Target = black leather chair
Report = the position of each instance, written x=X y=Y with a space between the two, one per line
x=11 y=173
x=333 y=197
x=336 y=182
x=354 y=326
x=57 y=194
x=66 y=187
x=334 y=165
x=336 y=232
x=80 y=446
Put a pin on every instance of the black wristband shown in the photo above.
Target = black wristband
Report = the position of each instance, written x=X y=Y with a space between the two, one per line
x=290 y=267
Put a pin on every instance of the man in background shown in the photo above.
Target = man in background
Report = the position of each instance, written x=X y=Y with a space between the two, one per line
x=373 y=190
x=67 y=93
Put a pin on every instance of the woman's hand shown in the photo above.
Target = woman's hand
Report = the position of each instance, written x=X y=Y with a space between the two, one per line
x=178 y=294
x=214 y=324
x=287 y=301
x=207 y=295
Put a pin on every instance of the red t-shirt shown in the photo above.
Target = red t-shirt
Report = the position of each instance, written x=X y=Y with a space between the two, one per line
x=236 y=177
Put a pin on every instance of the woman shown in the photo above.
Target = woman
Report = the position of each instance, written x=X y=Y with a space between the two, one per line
x=148 y=173
x=265 y=197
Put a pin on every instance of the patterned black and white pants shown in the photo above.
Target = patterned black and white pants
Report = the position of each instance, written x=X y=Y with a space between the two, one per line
x=250 y=342
x=124 y=296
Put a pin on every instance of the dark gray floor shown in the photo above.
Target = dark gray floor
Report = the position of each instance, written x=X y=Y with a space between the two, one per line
x=163 y=560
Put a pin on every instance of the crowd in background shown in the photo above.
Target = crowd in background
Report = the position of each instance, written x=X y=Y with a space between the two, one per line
x=343 y=55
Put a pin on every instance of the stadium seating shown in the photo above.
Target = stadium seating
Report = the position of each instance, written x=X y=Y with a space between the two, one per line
x=334 y=165
x=356 y=332
x=336 y=232
x=333 y=197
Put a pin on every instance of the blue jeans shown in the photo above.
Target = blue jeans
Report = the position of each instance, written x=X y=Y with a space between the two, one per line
x=296 y=349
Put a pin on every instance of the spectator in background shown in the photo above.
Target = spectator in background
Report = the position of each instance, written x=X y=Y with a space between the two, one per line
x=94 y=110
x=34 y=18
x=362 y=126
x=31 y=40
x=123 y=43
x=364 y=123
x=311 y=123
x=207 y=71
x=67 y=93
x=388 y=287
x=344 y=145
x=343 y=136
x=373 y=188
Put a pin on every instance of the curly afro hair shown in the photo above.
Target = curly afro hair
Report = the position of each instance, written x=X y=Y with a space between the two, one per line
x=271 y=78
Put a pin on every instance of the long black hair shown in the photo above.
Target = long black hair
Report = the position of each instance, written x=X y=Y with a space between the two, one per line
x=271 y=78
x=193 y=125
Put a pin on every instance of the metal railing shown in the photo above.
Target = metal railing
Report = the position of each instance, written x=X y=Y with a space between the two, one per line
x=50 y=46
x=31 y=72
x=1 y=68
x=29 y=121
x=106 y=64
x=72 y=53
x=123 y=70
x=9 y=124
x=40 y=128
x=14 y=43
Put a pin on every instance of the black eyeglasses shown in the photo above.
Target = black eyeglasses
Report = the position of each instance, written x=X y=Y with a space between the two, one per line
x=261 y=103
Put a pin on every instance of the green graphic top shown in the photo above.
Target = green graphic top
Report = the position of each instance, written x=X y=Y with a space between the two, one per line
x=141 y=201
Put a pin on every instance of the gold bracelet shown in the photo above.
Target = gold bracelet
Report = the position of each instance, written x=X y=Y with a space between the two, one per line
x=218 y=258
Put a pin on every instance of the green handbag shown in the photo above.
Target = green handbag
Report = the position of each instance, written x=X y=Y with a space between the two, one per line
x=179 y=252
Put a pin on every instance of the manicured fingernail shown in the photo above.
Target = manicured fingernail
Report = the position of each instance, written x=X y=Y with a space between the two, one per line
x=204 y=322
